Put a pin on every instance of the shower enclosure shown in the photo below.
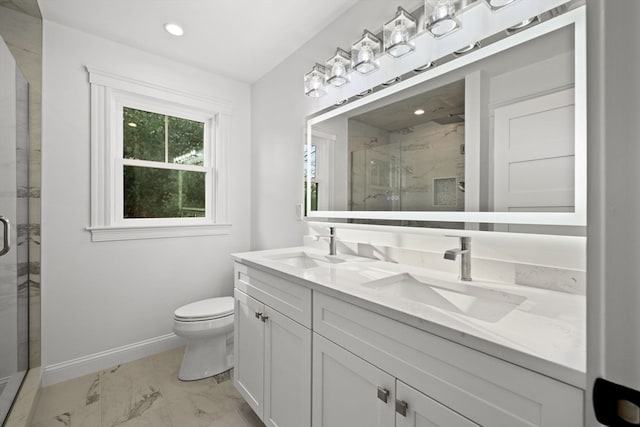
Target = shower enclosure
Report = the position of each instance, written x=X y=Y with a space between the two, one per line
x=14 y=230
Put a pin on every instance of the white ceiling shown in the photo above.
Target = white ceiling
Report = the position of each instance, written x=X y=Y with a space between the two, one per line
x=240 y=39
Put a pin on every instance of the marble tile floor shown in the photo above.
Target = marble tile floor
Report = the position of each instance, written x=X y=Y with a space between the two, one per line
x=144 y=393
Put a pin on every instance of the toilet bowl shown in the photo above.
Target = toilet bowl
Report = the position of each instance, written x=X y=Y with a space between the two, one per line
x=207 y=326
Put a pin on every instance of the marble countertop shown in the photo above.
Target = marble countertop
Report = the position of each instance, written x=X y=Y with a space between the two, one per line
x=541 y=330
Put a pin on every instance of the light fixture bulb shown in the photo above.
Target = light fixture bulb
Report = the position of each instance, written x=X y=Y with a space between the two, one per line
x=419 y=112
x=338 y=69
x=365 y=54
x=132 y=125
x=315 y=83
x=173 y=29
x=338 y=74
x=399 y=34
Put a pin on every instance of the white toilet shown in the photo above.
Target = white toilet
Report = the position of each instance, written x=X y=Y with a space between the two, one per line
x=208 y=326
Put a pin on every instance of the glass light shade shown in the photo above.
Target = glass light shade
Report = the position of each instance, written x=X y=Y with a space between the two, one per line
x=441 y=17
x=398 y=32
x=315 y=82
x=498 y=4
x=338 y=68
x=364 y=53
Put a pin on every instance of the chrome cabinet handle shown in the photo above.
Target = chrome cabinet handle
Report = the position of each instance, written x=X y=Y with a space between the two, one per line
x=383 y=394
x=7 y=235
x=263 y=317
x=401 y=407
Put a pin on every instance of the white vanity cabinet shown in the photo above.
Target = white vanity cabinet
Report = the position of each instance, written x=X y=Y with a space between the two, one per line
x=441 y=382
x=350 y=392
x=272 y=350
x=304 y=358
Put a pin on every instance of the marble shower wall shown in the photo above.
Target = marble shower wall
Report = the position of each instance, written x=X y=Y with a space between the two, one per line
x=414 y=169
x=21 y=29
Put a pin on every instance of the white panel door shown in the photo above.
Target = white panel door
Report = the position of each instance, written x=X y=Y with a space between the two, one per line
x=535 y=154
x=422 y=411
x=249 y=350
x=287 y=372
x=346 y=389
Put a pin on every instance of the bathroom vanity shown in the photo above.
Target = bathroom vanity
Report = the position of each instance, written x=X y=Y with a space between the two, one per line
x=349 y=341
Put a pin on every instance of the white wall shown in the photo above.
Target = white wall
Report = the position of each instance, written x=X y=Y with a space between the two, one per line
x=279 y=107
x=614 y=201
x=100 y=296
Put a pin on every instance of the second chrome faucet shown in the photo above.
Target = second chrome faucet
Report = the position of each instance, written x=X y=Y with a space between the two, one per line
x=332 y=240
x=465 y=257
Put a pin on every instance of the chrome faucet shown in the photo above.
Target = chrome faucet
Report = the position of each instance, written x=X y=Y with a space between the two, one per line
x=465 y=257
x=332 y=240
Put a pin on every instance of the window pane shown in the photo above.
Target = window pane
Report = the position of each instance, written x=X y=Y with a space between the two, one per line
x=186 y=141
x=310 y=161
x=143 y=135
x=314 y=197
x=163 y=193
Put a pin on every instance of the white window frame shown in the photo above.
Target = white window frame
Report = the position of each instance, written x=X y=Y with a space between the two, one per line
x=110 y=93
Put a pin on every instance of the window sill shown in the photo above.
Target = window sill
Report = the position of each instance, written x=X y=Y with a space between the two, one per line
x=106 y=234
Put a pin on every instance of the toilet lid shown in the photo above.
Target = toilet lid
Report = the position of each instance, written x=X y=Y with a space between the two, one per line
x=211 y=308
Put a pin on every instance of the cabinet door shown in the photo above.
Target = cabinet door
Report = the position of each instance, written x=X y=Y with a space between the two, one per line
x=347 y=391
x=422 y=411
x=248 y=356
x=287 y=396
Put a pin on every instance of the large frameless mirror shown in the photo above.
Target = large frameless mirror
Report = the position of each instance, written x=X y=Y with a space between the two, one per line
x=494 y=140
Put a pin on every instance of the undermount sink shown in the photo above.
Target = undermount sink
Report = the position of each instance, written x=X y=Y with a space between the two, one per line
x=306 y=260
x=473 y=301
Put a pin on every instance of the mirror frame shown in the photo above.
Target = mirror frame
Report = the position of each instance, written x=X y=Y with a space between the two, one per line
x=575 y=18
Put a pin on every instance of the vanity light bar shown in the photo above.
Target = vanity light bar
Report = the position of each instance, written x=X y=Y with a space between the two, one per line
x=396 y=39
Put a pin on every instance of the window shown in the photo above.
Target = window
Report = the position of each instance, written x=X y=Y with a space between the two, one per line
x=318 y=170
x=164 y=173
x=310 y=170
x=158 y=161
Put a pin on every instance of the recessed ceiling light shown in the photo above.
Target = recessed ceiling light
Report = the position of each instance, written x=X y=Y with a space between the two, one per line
x=419 y=112
x=173 y=29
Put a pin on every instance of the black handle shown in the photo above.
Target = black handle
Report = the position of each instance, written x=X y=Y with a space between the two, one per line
x=7 y=235
x=616 y=405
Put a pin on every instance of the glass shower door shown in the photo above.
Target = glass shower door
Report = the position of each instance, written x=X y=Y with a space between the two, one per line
x=14 y=228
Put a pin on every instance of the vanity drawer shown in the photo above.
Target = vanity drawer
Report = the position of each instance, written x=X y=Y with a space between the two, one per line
x=489 y=391
x=288 y=298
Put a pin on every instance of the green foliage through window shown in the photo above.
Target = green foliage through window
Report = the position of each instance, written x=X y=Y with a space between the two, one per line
x=160 y=192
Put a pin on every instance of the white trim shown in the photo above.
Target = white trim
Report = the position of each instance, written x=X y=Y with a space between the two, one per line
x=107 y=234
x=109 y=94
x=115 y=81
x=74 y=368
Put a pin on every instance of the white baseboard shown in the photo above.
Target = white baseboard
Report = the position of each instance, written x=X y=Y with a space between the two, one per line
x=106 y=359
